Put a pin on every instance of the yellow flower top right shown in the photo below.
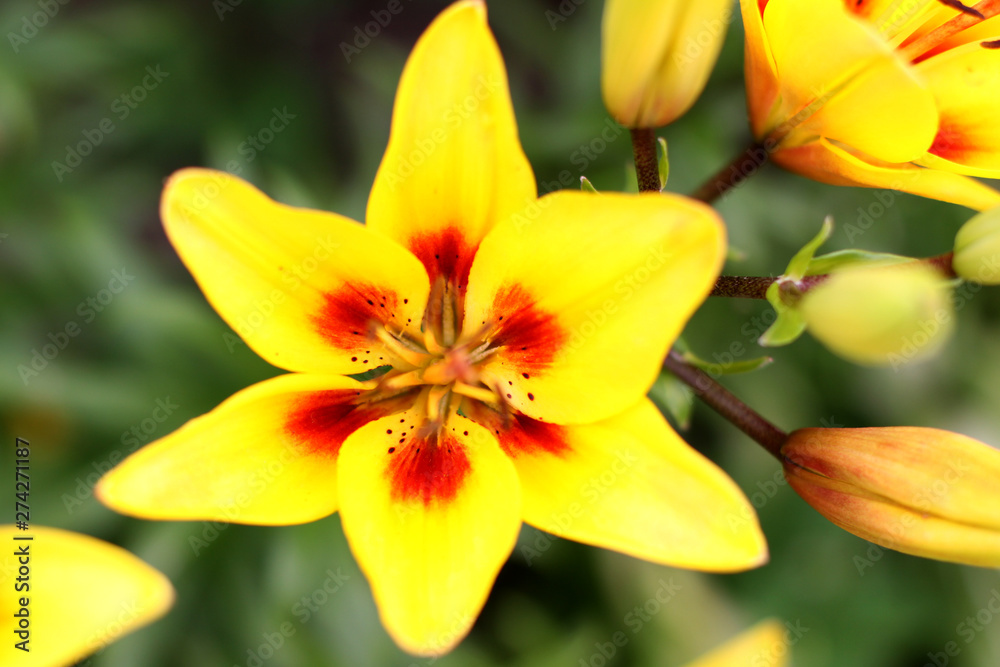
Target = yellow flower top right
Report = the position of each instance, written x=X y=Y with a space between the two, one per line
x=893 y=94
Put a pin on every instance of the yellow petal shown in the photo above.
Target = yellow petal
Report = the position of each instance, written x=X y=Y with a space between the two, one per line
x=299 y=286
x=893 y=19
x=759 y=71
x=267 y=455
x=841 y=80
x=965 y=82
x=766 y=643
x=631 y=484
x=82 y=594
x=825 y=162
x=922 y=491
x=430 y=521
x=585 y=297
x=656 y=56
x=454 y=165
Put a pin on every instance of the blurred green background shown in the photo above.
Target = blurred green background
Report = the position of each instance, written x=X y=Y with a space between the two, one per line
x=211 y=74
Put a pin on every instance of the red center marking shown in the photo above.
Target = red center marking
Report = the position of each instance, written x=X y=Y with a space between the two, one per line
x=445 y=253
x=319 y=422
x=530 y=436
x=429 y=471
x=347 y=311
x=951 y=143
x=530 y=336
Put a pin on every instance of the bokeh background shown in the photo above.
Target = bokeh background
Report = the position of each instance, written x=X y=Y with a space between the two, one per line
x=155 y=354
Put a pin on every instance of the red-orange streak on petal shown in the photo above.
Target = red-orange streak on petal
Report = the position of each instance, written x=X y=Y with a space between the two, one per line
x=446 y=253
x=348 y=311
x=531 y=337
x=430 y=470
x=525 y=435
x=320 y=422
x=951 y=143
x=762 y=4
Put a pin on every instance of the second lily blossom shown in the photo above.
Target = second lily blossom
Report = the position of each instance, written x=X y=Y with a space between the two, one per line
x=872 y=94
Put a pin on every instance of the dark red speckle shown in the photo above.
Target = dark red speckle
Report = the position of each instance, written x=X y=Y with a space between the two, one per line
x=431 y=471
x=531 y=336
x=319 y=422
x=347 y=312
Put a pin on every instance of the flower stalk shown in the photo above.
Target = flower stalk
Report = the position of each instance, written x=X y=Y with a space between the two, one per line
x=723 y=401
x=646 y=166
x=740 y=168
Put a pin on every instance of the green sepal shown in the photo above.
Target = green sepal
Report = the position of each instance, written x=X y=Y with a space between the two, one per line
x=732 y=368
x=797 y=268
x=586 y=185
x=674 y=399
x=832 y=261
x=789 y=324
x=663 y=161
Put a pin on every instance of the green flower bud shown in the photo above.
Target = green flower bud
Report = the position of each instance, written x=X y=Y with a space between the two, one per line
x=977 y=249
x=881 y=315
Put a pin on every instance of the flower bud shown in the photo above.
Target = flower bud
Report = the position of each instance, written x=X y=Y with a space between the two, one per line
x=656 y=56
x=922 y=491
x=881 y=315
x=977 y=249
x=767 y=643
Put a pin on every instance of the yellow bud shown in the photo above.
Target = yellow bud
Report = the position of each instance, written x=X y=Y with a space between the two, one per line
x=977 y=249
x=922 y=491
x=881 y=315
x=656 y=56
x=767 y=643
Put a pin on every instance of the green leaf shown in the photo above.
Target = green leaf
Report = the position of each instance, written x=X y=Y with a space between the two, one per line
x=674 y=398
x=586 y=185
x=731 y=368
x=663 y=161
x=800 y=263
x=837 y=260
x=787 y=327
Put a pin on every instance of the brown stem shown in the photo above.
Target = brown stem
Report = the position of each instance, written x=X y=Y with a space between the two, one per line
x=943 y=263
x=742 y=287
x=720 y=399
x=647 y=169
x=743 y=166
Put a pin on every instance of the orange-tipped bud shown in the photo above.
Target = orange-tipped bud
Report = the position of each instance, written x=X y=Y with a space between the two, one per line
x=922 y=491
x=656 y=56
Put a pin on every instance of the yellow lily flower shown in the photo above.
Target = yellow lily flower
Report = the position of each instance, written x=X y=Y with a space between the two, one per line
x=767 y=643
x=68 y=595
x=656 y=56
x=878 y=93
x=516 y=338
x=922 y=491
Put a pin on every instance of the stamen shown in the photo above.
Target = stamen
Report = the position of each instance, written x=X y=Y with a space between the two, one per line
x=402 y=348
x=479 y=393
x=438 y=399
x=918 y=49
x=402 y=380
